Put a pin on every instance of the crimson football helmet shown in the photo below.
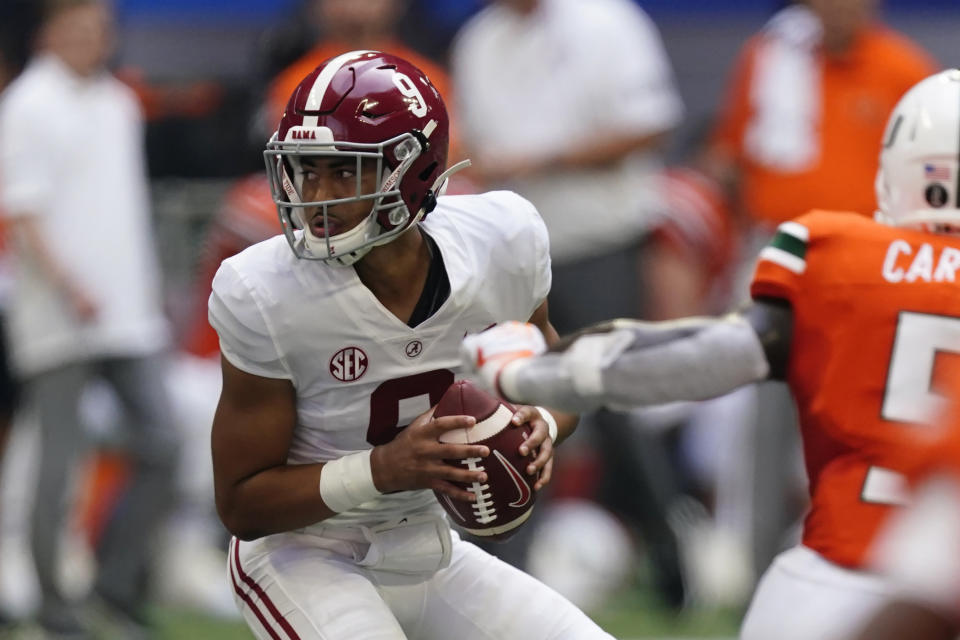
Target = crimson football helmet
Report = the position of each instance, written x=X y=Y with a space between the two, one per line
x=918 y=184
x=364 y=105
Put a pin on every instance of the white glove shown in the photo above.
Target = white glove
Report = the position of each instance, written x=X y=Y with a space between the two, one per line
x=486 y=354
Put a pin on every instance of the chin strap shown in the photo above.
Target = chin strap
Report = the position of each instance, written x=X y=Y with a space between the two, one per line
x=439 y=186
x=460 y=166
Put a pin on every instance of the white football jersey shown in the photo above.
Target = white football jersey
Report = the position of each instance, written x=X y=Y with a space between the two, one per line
x=361 y=374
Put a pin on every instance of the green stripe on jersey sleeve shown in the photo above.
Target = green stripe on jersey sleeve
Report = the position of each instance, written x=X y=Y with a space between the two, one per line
x=786 y=241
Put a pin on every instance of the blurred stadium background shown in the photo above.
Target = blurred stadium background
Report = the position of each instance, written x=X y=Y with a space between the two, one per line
x=223 y=43
x=210 y=55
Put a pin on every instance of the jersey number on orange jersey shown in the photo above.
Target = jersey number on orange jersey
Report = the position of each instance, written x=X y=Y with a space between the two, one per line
x=911 y=393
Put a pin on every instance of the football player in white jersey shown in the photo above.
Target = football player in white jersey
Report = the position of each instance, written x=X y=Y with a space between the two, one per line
x=337 y=338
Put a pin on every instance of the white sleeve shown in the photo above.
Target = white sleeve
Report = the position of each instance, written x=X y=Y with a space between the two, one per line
x=634 y=75
x=639 y=364
x=27 y=160
x=543 y=276
x=520 y=246
x=245 y=336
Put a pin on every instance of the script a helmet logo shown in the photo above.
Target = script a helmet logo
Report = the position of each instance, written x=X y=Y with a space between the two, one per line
x=348 y=364
x=301 y=134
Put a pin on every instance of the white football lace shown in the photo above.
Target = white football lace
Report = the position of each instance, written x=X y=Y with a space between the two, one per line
x=484 y=510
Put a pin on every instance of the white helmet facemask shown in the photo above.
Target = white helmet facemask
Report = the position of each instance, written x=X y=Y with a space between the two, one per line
x=918 y=182
x=285 y=169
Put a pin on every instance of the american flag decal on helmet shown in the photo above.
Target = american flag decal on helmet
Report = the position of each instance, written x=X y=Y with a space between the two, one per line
x=934 y=172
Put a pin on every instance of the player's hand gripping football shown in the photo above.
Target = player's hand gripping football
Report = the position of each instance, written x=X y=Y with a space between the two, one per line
x=486 y=354
x=539 y=442
x=415 y=458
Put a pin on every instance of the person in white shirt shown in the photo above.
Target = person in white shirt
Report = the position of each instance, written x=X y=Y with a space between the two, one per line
x=337 y=339
x=569 y=103
x=86 y=297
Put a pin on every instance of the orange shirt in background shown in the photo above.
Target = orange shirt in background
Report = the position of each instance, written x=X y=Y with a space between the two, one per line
x=858 y=92
x=876 y=322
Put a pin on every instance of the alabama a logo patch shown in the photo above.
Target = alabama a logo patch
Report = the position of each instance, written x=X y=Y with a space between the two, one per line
x=413 y=349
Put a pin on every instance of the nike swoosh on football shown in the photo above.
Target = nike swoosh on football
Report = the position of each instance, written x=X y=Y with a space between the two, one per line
x=522 y=487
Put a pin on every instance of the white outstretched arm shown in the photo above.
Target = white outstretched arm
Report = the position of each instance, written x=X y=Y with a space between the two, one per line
x=624 y=363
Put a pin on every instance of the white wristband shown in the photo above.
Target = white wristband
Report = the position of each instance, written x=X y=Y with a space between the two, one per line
x=551 y=423
x=347 y=482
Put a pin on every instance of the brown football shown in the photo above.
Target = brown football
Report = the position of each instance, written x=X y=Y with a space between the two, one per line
x=506 y=499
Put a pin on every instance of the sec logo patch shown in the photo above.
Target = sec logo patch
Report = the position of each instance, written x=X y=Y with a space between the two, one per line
x=348 y=364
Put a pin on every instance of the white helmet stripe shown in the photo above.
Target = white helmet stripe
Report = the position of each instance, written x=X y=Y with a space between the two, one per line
x=320 y=85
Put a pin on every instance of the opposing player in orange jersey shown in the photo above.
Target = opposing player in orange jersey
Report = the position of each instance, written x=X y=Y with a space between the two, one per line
x=860 y=318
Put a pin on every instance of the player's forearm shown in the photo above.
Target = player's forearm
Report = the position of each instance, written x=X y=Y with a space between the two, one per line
x=275 y=500
x=566 y=424
x=641 y=364
x=544 y=381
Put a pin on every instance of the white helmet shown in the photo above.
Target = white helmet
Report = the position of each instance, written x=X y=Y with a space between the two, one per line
x=918 y=184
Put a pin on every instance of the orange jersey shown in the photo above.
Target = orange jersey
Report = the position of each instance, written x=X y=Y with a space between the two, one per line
x=920 y=546
x=876 y=312
x=939 y=454
x=857 y=94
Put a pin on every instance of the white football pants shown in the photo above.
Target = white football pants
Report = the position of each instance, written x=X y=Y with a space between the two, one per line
x=802 y=596
x=289 y=588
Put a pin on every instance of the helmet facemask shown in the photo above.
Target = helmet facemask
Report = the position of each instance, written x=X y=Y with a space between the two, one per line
x=388 y=217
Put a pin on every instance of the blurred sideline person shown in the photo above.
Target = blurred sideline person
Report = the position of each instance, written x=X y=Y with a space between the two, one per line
x=17 y=26
x=694 y=245
x=337 y=339
x=569 y=104
x=86 y=298
x=592 y=171
x=689 y=265
x=851 y=313
x=805 y=104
